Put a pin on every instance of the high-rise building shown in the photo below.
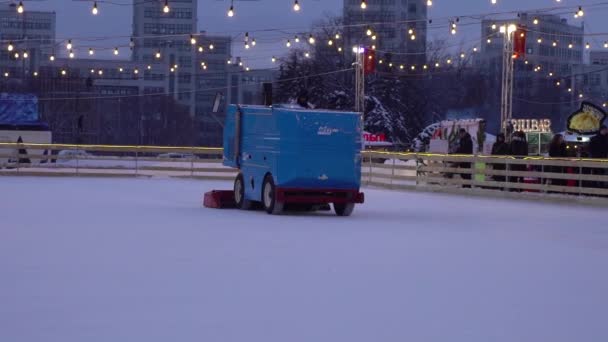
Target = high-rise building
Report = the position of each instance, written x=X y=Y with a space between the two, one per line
x=31 y=34
x=398 y=26
x=162 y=36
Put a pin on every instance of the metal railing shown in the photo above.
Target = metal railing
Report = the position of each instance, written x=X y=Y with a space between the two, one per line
x=585 y=178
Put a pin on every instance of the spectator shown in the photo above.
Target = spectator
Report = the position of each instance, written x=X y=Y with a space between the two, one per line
x=598 y=149
x=500 y=148
x=519 y=147
x=465 y=146
x=557 y=149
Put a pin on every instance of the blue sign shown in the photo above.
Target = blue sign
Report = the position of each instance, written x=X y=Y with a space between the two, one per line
x=18 y=108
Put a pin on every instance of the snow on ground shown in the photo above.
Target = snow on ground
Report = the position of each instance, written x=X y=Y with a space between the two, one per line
x=84 y=259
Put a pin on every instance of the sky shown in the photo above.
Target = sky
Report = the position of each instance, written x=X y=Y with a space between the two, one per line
x=74 y=19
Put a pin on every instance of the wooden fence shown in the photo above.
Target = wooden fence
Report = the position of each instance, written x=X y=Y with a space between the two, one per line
x=502 y=176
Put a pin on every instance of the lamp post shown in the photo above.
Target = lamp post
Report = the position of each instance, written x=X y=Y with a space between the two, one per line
x=506 y=96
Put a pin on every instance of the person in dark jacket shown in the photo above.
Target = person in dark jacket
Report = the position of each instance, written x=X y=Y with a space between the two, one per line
x=465 y=146
x=557 y=149
x=500 y=148
x=598 y=149
x=519 y=147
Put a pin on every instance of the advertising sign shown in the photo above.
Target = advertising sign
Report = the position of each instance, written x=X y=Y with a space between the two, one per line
x=586 y=120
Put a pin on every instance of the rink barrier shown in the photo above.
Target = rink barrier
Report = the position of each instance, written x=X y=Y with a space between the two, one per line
x=523 y=176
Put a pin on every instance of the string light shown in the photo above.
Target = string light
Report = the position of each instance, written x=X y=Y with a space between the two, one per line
x=296 y=39
x=539 y=40
x=149 y=67
x=570 y=46
x=369 y=31
x=453 y=28
x=374 y=37
x=339 y=49
x=51 y=58
x=166 y=8
x=535 y=21
x=211 y=47
x=16 y=55
x=253 y=42
x=580 y=11
x=273 y=59
x=296 y=6
x=201 y=49
x=587 y=46
x=20 y=7
x=605 y=45
x=288 y=44
x=116 y=51
x=311 y=39
x=158 y=55
x=69 y=45
x=554 y=43
x=100 y=72
x=91 y=52
x=231 y=11
x=63 y=72
x=10 y=46
x=307 y=55
x=494 y=27
x=95 y=10
x=71 y=55
x=363 y=4
x=330 y=42
x=136 y=71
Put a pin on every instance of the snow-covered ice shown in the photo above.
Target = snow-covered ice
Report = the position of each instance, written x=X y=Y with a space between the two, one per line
x=85 y=259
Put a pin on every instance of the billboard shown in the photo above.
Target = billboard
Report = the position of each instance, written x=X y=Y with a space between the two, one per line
x=586 y=120
x=18 y=108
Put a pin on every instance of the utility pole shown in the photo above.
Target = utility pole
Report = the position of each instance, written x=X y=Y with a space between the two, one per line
x=506 y=96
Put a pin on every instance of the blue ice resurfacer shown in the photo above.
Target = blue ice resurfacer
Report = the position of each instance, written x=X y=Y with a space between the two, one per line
x=290 y=155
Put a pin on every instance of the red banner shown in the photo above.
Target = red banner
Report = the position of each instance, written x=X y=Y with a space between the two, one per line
x=519 y=42
x=369 y=64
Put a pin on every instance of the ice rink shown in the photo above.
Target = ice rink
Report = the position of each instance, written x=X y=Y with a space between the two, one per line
x=88 y=259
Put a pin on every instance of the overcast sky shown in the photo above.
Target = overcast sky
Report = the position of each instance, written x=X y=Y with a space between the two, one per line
x=74 y=19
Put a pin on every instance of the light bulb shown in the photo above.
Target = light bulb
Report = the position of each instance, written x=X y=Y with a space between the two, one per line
x=374 y=37
x=120 y=69
x=570 y=46
x=273 y=59
x=369 y=31
x=20 y=8
x=63 y=72
x=51 y=58
x=296 y=6
x=6 y=74
x=337 y=36
x=231 y=11
x=158 y=55
x=136 y=71
x=192 y=40
x=288 y=44
x=211 y=47
x=246 y=45
x=413 y=37
x=539 y=40
x=429 y=3
x=201 y=49
x=296 y=39
x=100 y=72
x=69 y=45
x=149 y=67
x=587 y=46
x=16 y=55
x=605 y=45
x=10 y=46
x=307 y=55
x=71 y=54
x=330 y=42
x=91 y=52
x=166 y=8
x=340 y=49
x=247 y=69
x=535 y=22
x=493 y=2
x=580 y=12
x=363 y=4
x=116 y=51
x=95 y=10
x=253 y=42
x=35 y=73
x=311 y=39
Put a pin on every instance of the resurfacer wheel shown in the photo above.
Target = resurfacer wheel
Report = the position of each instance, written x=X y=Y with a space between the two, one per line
x=344 y=209
x=271 y=205
x=239 y=194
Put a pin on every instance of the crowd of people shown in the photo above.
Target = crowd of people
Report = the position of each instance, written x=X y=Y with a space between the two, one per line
x=518 y=147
